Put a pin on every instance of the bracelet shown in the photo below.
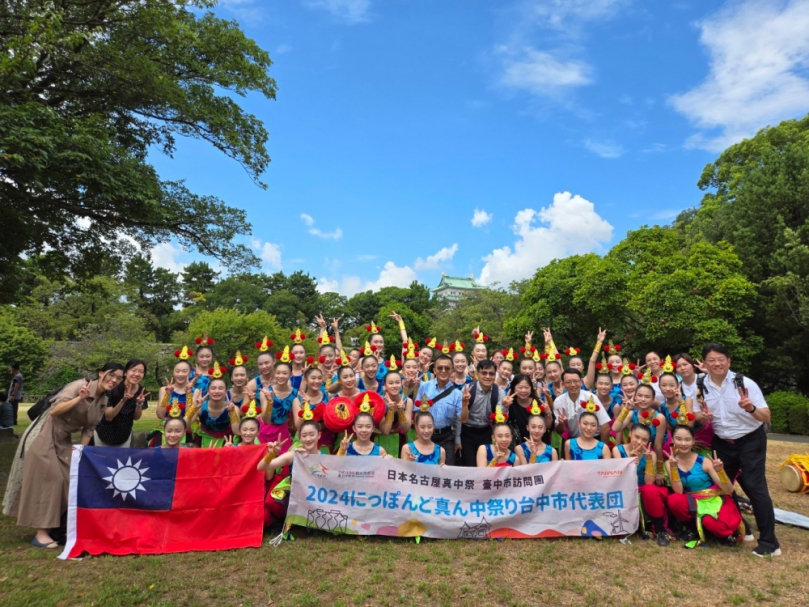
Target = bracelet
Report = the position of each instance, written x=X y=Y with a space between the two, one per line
x=660 y=468
x=165 y=402
x=190 y=412
x=389 y=415
x=650 y=467
x=401 y=325
x=402 y=417
x=674 y=474
x=532 y=459
x=597 y=348
x=624 y=415
x=271 y=455
x=234 y=416
x=723 y=476
x=341 y=452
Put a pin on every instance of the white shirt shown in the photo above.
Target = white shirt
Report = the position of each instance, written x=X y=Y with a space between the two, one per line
x=691 y=392
x=730 y=421
x=573 y=410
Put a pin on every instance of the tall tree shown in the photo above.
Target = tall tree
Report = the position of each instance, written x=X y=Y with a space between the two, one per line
x=87 y=88
x=199 y=279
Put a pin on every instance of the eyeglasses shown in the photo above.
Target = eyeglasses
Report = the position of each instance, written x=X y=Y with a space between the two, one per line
x=442 y=368
x=117 y=378
x=486 y=373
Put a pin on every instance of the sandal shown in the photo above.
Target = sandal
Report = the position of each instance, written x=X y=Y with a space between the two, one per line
x=37 y=544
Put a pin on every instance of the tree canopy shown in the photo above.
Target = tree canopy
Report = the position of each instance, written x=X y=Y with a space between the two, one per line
x=87 y=88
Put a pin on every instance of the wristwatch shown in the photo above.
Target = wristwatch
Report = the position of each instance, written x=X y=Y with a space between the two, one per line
x=753 y=410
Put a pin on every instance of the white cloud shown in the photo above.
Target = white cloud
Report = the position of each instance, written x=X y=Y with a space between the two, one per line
x=348 y=11
x=433 y=261
x=337 y=234
x=540 y=73
x=562 y=14
x=570 y=226
x=605 y=149
x=480 y=218
x=282 y=49
x=165 y=255
x=759 y=52
x=324 y=285
x=269 y=253
x=392 y=276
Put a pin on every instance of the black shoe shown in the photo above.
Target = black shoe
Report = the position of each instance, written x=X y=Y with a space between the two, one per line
x=729 y=542
x=663 y=539
x=763 y=552
x=687 y=535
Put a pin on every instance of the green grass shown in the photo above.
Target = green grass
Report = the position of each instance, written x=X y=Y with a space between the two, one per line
x=317 y=569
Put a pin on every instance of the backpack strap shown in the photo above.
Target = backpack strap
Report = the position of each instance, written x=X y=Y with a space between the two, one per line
x=738 y=381
x=495 y=396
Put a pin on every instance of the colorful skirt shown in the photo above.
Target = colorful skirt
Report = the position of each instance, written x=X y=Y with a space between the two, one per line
x=269 y=433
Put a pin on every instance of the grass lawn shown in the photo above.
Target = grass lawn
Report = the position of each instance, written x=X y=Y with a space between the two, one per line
x=316 y=569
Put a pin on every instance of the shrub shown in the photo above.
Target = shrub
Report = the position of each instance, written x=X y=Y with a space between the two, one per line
x=780 y=404
x=799 y=419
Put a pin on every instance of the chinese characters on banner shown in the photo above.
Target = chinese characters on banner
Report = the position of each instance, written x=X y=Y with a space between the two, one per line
x=388 y=496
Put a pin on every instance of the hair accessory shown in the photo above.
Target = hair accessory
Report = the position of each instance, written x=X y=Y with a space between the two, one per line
x=612 y=348
x=339 y=413
x=552 y=356
x=204 y=340
x=371 y=402
x=604 y=367
x=373 y=329
x=668 y=366
x=499 y=416
x=509 y=355
x=410 y=350
x=458 y=346
x=283 y=356
x=627 y=367
x=528 y=350
x=590 y=405
x=174 y=409
x=310 y=360
x=445 y=349
x=431 y=343
x=536 y=408
x=682 y=416
x=238 y=360
x=252 y=409
x=306 y=412
x=324 y=339
x=344 y=360
x=537 y=356
x=480 y=337
x=264 y=345
x=572 y=351
x=392 y=364
x=646 y=377
x=368 y=349
x=217 y=371
x=646 y=418
x=297 y=336
x=423 y=405
x=183 y=354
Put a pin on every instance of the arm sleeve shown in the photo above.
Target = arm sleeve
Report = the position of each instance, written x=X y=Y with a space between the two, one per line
x=755 y=394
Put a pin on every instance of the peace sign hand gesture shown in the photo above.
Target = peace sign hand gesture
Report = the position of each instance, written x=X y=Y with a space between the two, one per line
x=561 y=416
x=228 y=441
x=321 y=322
x=703 y=407
x=409 y=455
x=266 y=392
x=548 y=336
x=467 y=395
x=395 y=316
x=335 y=323
x=508 y=400
x=84 y=391
x=143 y=396
x=601 y=335
x=529 y=335
x=346 y=442
x=745 y=402
x=169 y=385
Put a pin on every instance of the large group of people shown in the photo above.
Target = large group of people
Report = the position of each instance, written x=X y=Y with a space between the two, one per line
x=693 y=428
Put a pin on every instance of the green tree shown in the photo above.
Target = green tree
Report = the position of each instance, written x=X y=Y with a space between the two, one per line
x=199 y=279
x=20 y=344
x=233 y=330
x=490 y=309
x=242 y=292
x=87 y=88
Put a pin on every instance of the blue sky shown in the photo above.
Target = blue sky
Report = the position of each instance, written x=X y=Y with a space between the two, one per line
x=411 y=137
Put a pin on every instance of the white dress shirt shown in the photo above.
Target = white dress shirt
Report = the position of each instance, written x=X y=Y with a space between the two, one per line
x=573 y=410
x=730 y=421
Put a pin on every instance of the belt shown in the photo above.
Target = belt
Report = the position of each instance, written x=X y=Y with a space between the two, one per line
x=741 y=439
x=440 y=430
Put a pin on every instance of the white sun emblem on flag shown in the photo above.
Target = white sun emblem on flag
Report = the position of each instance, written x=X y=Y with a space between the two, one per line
x=126 y=479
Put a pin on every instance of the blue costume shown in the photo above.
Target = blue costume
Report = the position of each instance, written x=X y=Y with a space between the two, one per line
x=696 y=479
x=641 y=465
x=380 y=387
x=202 y=383
x=545 y=456
x=352 y=451
x=432 y=458
x=295 y=381
x=220 y=423
x=579 y=454
x=281 y=407
x=512 y=459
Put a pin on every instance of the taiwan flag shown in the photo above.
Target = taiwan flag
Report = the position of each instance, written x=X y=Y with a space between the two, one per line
x=157 y=501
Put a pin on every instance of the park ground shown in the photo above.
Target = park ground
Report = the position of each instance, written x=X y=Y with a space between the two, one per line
x=316 y=569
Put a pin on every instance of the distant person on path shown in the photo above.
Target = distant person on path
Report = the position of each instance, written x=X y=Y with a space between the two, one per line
x=6 y=412
x=15 y=389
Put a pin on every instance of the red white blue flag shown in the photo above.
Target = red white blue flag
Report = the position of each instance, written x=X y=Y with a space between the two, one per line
x=157 y=501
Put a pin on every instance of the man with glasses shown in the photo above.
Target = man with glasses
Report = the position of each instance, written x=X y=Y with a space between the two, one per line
x=484 y=397
x=567 y=408
x=450 y=406
x=738 y=412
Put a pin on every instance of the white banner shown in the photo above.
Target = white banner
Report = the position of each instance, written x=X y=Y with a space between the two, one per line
x=388 y=496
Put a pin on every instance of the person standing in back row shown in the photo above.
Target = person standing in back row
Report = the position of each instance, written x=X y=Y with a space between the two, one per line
x=15 y=389
x=737 y=409
x=484 y=399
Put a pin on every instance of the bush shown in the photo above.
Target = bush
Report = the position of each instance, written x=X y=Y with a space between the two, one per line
x=780 y=404
x=799 y=419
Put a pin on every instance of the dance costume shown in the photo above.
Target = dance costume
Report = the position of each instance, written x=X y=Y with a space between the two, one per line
x=433 y=458
x=580 y=454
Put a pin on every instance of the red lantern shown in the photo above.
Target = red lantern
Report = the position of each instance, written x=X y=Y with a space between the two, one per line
x=339 y=414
